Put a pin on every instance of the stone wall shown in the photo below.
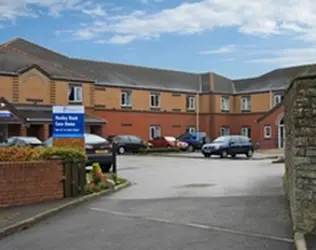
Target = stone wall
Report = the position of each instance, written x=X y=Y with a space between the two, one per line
x=300 y=152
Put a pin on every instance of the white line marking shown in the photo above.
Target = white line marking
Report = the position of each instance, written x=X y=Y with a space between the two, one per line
x=195 y=225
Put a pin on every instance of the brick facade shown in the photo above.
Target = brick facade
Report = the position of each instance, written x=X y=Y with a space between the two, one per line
x=30 y=182
x=34 y=87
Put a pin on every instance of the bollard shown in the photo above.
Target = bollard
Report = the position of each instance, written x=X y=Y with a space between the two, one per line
x=114 y=149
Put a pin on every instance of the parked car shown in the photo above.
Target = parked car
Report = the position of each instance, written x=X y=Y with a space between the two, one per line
x=23 y=141
x=98 y=149
x=195 y=140
x=229 y=145
x=128 y=143
x=168 y=142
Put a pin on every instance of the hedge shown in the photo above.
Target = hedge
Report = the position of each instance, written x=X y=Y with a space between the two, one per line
x=16 y=153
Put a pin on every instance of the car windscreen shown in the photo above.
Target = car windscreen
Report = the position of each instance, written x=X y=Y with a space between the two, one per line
x=26 y=139
x=221 y=139
x=94 y=139
x=170 y=138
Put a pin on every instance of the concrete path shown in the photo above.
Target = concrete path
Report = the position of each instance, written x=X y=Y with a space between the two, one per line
x=175 y=203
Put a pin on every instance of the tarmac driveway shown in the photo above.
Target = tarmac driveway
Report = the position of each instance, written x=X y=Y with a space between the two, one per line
x=175 y=203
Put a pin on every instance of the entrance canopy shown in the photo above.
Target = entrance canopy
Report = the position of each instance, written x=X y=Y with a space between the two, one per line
x=34 y=114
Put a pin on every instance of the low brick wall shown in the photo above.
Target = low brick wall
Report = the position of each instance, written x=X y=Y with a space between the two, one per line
x=300 y=152
x=24 y=183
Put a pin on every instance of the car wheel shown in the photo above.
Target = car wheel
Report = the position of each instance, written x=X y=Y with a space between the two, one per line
x=224 y=154
x=191 y=148
x=121 y=150
x=207 y=155
x=249 y=153
x=233 y=155
x=106 y=168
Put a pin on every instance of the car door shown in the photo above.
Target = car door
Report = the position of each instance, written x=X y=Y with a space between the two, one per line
x=157 y=142
x=234 y=145
x=245 y=144
x=136 y=143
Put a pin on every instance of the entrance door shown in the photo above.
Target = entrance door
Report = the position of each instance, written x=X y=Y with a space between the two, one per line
x=281 y=134
x=3 y=132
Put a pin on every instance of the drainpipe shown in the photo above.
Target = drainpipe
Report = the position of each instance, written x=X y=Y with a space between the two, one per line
x=198 y=105
x=271 y=98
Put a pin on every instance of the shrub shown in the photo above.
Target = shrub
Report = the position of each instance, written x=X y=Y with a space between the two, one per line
x=19 y=154
x=98 y=181
x=159 y=150
x=65 y=154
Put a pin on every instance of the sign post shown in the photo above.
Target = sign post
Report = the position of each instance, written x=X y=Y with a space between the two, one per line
x=68 y=126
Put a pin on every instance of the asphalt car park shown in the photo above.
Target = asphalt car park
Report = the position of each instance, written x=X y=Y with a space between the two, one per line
x=175 y=203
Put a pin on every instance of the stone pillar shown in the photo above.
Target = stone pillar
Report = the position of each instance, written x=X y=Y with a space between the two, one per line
x=23 y=130
x=300 y=152
x=44 y=132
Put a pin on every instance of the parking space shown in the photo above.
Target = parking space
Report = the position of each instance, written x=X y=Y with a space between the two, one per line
x=176 y=203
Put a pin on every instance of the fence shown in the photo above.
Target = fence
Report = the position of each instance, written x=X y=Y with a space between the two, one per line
x=74 y=178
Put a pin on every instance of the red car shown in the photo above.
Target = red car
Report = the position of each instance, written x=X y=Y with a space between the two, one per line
x=168 y=142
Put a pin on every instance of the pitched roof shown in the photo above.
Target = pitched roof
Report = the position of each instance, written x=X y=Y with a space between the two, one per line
x=223 y=84
x=36 y=113
x=14 y=61
x=268 y=113
x=273 y=80
x=114 y=74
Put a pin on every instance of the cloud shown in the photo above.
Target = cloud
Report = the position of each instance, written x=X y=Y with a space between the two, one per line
x=10 y=10
x=150 y=1
x=289 y=57
x=117 y=40
x=258 y=18
x=229 y=59
x=222 y=50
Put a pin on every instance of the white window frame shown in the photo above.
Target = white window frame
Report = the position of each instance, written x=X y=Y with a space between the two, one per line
x=152 y=97
x=277 y=99
x=245 y=131
x=224 y=131
x=77 y=96
x=128 y=99
x=225 y=103
x=191 y=130
x=245 y=103
x=154 y=131
x=267 y=128
x=191 y=103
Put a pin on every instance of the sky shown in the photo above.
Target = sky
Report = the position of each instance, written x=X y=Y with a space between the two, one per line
x=237 y=39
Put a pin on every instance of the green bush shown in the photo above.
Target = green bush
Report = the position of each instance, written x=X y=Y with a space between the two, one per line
x=65 y=154
x=159 y=150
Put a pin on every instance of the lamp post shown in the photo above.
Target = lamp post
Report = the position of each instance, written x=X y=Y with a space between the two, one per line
x=114 y=149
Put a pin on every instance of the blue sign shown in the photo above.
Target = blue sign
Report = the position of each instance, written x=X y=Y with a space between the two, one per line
x=68 y=121
x=5 y=114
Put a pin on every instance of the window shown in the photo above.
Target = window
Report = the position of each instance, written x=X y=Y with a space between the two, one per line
x=225 y=131
x=75 y=94
x=191 y=129
x=278 y=99
x=246 y=131
x=190 y=103
x=267 y=132
x=126 y=99
x=154 y=100
x=135 y=139
x=245 y=103
x=225 y=103
x=154 y=131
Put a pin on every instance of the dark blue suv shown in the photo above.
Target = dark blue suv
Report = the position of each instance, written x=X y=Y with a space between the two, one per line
x=229 y=145
x=195 y=140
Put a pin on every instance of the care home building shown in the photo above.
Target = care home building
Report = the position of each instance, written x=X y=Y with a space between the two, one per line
x=125 y=99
